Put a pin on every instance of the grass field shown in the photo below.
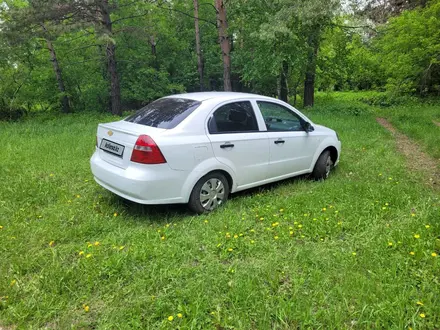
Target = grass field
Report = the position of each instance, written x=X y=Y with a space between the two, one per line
x=359 y=250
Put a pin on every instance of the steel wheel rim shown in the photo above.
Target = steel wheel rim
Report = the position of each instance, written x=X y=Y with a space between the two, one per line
x=328 y=166
x=212 y=194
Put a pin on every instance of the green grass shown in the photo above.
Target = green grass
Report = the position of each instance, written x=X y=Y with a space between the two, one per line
x=416 y=121
x=409 y=115
x=304 y=254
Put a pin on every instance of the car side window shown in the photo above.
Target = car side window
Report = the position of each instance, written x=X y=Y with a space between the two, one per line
x=278 y=118
x=236 y=117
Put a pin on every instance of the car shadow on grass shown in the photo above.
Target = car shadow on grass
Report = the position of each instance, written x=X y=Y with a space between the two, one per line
x=171 y=212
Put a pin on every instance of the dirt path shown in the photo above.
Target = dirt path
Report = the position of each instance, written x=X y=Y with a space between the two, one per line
x=436 y=123
x=416 y=159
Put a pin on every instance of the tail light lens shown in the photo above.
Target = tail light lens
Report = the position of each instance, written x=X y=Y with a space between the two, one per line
x=146 y=151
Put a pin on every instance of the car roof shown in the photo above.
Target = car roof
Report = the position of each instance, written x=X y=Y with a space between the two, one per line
x=221 y=96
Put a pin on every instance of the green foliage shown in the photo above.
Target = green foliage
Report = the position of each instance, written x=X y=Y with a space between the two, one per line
x=409 y=50
x=155 y=52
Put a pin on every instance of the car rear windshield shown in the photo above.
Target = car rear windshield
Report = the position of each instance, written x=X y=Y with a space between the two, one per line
x=164 y=113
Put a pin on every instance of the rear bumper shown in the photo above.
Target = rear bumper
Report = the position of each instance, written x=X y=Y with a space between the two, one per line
x=144 y=184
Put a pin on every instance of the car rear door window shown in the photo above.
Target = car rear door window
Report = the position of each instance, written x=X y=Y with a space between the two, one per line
x=236 y=117
x=164 y=113
x=278 y=118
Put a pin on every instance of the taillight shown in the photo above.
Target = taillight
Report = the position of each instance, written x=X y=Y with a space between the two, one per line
x=146 y=151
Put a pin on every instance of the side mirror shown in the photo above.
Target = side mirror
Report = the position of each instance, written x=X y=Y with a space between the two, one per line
x=307 y=126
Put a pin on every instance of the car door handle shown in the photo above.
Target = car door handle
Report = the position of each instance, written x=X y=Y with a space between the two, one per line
x=279 y=141
x=227 y=145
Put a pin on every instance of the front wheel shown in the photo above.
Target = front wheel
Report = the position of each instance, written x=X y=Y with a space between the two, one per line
x=323 y=166
x=210 y=192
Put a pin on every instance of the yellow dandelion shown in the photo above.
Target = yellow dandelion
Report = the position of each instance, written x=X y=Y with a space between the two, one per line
x=162 y=238
x=230 y=249
x=275 y=237
x=86 y=308
x=179 y=315
x=252 y=230
x=419 y=303
x=281 y=210
x=291 y=232
x=167 y=225
x=89 y=245
x=314 y=219
x=89 y=255
x=416 y=236
x=275 y=224
x=390 y=178
x=121 y=247
x=235 y=236
x=434 y=254
x=81 y=253
x=413 y=214
x=252 y=241
x=380 y=174
x=412 y=253
x=69 y=201
x=336 y=211
x=170 y=318
x=206 y=221
x=422 y=315
x=384 y=208
x=240 y=235
x=13 y=282
x=387 y=204
x=228 y=235
x=115 y=214
x=51 y=174
x=339 y=223
x=300 y=226
x=295 y=223
x=78 y=196
x=353 y=253
x=427 y=226
x=324 y=209
x=51 y=243
x=390 y=243
x=96 y=243
x=262 y=218
x=1 y=227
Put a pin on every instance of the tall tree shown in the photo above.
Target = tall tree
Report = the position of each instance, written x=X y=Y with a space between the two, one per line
x=198 y=46
x=225 y=45
x=115 y=89
x=57 y=69
x=312 y=54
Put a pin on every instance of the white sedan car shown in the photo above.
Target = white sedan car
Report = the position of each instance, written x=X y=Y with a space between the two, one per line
x=196 y=148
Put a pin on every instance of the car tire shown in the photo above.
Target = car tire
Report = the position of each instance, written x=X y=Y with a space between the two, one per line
x=210 y=192
x=323 y=166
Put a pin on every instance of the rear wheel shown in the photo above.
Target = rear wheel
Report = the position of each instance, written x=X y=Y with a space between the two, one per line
x=323 y=166
x=210 y=192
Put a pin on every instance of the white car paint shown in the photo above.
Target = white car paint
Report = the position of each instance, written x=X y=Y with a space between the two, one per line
x=191 y=152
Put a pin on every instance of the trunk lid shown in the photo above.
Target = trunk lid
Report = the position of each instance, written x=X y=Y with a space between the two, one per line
x=117 y=139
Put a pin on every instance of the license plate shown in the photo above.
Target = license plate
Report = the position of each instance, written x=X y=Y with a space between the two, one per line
x=111 y=147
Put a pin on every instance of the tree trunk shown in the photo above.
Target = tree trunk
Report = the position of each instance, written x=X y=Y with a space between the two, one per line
x=58 y=74
x=198 y=48
x=283 y=81
x=115 y=89
x=309 y=82
x=222 y=26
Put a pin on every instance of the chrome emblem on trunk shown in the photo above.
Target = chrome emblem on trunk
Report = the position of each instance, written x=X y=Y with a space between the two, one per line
x=110 y=133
